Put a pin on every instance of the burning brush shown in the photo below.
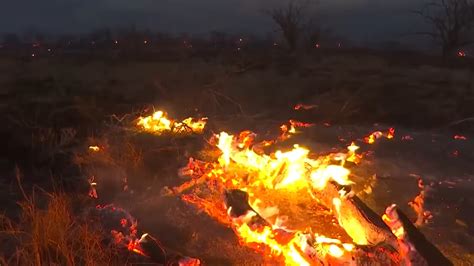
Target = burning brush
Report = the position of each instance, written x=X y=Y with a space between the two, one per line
x=123 y=228
x=158 y=123
x=248 y=177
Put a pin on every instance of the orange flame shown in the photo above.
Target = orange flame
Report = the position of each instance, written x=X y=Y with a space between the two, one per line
x=94 y=148
x=241 y=166
x=390 y=134
x=158 y=123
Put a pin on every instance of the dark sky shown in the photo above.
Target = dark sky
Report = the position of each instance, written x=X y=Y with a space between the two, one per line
x=355 y=19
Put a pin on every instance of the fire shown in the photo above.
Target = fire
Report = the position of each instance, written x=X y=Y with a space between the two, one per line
x=418 y=205
x=94 y=148
x=291 y=170
x=290 y=129
x=268 y=237
x=242 y=165
x=159 y=123
x=390 y=134
x=295 y=247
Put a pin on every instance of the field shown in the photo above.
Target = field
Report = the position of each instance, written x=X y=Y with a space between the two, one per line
x=52 y=109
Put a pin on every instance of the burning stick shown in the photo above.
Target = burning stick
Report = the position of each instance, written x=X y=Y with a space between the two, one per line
x=362 y=224
x=413 y=245
x=297 y=247
x=418 y=205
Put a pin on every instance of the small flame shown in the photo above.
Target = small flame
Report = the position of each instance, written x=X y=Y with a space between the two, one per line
x=390 y=134
x=94 y=148
x=158 y=123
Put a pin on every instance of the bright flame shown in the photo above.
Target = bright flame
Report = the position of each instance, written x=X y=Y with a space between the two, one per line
x=292 y=170
x=243 y=165
x=94 y=148
x=159 y=123
x=267 y=237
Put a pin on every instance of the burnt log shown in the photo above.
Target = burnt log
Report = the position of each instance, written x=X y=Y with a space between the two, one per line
x=237 y=203
x=416 y=249
x=362 y=255
x=360 y=222
x=378 y=242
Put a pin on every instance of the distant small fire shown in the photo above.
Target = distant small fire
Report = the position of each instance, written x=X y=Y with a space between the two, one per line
x=158 y=123
x=390 y=134
x=94 y=148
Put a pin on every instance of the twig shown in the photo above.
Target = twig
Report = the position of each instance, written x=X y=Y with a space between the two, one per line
x=468 y=119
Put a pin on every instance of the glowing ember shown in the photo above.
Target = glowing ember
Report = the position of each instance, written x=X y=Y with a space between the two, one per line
x=301 y=106
x=460 y=137
x=290 y=129
x=390 y=134
x=418 y=205
x=390 y=217
x=92 y=188
x=94 y=148
x=158 y=123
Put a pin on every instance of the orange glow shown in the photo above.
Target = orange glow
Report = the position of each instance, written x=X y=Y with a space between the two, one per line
x=290 y=129
x=461 y=53
x=459 y=137
x=352 y=156
x=158 y=123
x=242 y=164
x=301 y=106
x=291 y=170
x=94 y=148
x=295 y=247
x=390 y=134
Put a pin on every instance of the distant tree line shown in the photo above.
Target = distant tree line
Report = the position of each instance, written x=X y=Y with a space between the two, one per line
x=449 y=23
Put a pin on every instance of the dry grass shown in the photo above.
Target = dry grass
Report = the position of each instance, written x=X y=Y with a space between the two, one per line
x=51 y=235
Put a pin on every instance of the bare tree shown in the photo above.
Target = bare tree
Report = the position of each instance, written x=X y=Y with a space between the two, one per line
x=451 y=21
x=291 y=20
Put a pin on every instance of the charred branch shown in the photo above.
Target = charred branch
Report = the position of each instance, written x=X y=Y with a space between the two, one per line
x=360 y=222
x=451 y=23
x=291 y=21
